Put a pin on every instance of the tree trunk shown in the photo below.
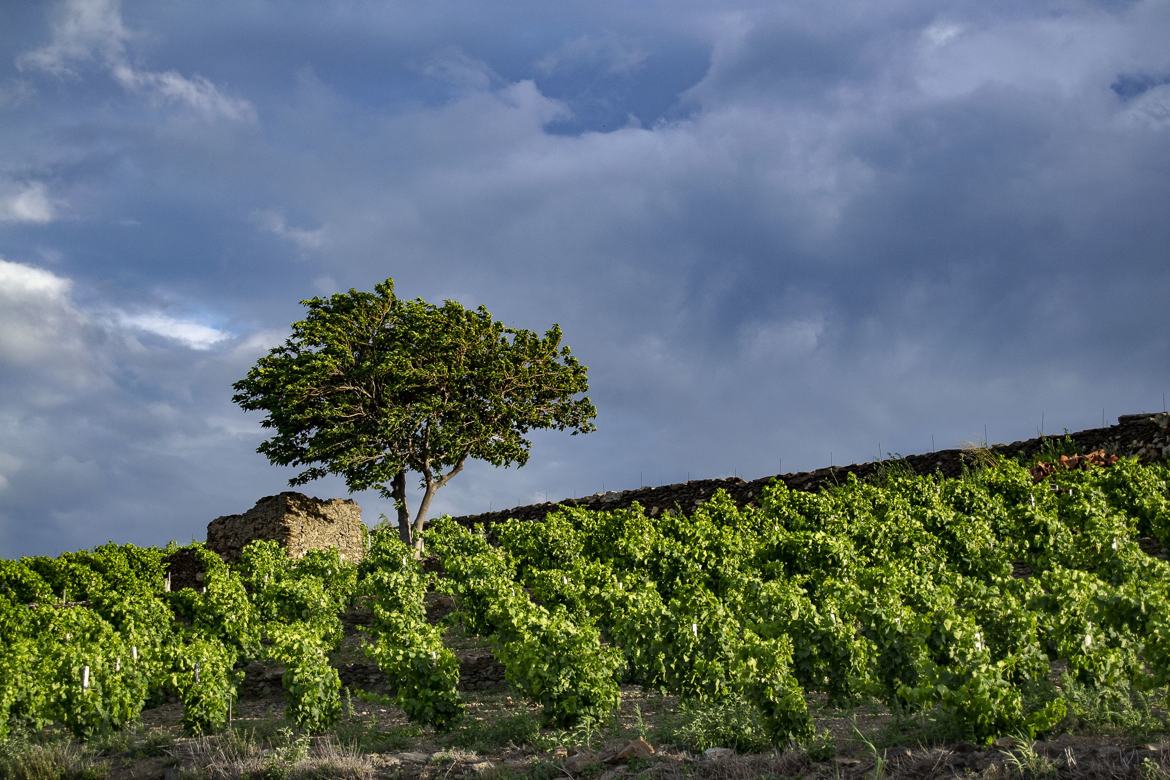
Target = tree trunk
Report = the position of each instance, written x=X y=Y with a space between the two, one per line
x=398 y=490
x=421 y=517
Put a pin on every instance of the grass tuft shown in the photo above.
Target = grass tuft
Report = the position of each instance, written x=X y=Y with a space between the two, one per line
x=23 y=760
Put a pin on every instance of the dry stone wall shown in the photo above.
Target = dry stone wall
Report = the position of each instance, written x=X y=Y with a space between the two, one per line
x=1146 y=436
x=298 y=522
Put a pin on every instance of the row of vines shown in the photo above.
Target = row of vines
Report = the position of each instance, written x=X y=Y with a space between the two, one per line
x=983 y=601
x=90 y=639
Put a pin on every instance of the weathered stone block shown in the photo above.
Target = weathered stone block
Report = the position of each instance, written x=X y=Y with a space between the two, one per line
x=298 y=522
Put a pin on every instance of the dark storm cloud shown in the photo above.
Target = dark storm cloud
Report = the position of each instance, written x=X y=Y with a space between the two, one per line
x=777 y=237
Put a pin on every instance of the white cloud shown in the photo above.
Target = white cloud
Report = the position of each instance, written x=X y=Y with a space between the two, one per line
x=192 y=334
x=82 y=29
x=18 y=280
x=42 y=334
x=256 y=344
x=611 y=53
x=274 y=222
x=1055 y=53
x=941 y=33
x=455 y=67
x=197 y=93
x=26 y=203
x=85 y=30
x=97 y=431
x=38 y=318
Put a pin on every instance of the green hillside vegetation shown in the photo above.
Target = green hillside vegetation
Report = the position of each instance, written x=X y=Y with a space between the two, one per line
x=974 y=609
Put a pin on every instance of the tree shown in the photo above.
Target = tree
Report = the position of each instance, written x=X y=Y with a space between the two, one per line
x=370 y=386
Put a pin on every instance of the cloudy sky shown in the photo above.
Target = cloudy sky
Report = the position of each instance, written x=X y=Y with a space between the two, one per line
x=777 y=233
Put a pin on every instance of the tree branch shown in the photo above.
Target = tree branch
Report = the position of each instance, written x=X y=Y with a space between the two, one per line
x=455 y=470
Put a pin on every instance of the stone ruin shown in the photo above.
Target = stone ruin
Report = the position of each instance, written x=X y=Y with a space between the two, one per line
x=298 y=522
x=1144 y=436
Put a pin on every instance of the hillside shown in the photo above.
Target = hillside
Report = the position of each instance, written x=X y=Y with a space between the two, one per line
x=1012 y=620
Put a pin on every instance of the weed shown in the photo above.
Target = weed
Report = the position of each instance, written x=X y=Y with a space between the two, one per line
x=1025 y=762
x=640 y=722
x=234 y=755
x=586 y=734
x=1122 y=709
x=821 y=746
x=63 y=760
x=492 y=734
x=731 y=723
x=370 y=738
x=132 y=742
x=879 y=759
x=1051 y=448
x=977 y=457
x=1152 y=770
x=891 y=469
x=292 y=747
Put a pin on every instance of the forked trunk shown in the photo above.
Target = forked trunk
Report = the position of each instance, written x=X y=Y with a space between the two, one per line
x=421 y=517
x=398 y=490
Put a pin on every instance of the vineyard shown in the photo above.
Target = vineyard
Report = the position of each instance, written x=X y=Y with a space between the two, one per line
x=1009 y=602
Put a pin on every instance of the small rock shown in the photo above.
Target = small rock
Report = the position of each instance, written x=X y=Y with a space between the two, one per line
x=638 y=748
x=414 y=758
x=718 y=753
x=578 y=761
x=844 y=761
x=383 y=761
x=480 y=767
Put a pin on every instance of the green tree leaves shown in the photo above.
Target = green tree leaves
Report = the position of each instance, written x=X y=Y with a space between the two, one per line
x=370 y=386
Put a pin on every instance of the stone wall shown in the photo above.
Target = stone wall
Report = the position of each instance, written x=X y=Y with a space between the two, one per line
x=1146 y=436
x=298 y=522
x=184 y=570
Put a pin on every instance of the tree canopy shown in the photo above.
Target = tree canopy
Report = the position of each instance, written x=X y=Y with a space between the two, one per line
x=371 y=386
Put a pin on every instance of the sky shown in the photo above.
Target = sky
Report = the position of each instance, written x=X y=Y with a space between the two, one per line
x=780 y=235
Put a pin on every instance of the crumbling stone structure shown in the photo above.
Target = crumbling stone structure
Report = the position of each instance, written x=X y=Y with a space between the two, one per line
x=298 y=522
x=1145 y=436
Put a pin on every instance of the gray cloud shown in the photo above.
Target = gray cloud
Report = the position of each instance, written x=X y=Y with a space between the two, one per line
x=86 y=31
x=854 y=225
x=25 y=202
